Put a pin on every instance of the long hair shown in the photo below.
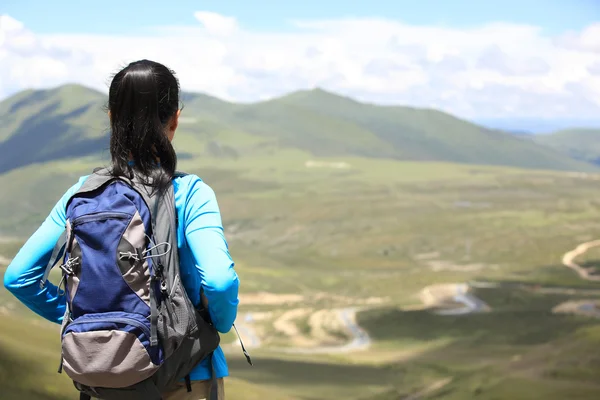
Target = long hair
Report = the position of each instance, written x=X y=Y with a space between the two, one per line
x=142 y=99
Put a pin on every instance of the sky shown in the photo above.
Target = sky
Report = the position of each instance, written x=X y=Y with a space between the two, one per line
x=475 y=59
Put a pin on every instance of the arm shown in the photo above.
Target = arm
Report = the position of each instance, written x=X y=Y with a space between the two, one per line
x=25 y=272
x=205 y=238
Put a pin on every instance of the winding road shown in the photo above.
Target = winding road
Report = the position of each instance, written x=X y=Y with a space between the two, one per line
x=569 y=257
x=360 y=338
x=471 y=304
x=436 y=295
x=586 y=307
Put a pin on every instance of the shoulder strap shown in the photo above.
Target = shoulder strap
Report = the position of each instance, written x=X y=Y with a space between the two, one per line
x=57 y=253
x=164 y=231
x=98 y=178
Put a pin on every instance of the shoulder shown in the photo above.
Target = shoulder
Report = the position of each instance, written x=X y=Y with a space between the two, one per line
x=74 y=188
x=191 y=188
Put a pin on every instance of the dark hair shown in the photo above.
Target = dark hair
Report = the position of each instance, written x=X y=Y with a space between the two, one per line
x=142 y=99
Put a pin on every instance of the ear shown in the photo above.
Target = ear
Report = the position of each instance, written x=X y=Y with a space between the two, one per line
x=173 y=124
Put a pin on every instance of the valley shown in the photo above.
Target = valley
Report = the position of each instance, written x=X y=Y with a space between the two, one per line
x=365 y=274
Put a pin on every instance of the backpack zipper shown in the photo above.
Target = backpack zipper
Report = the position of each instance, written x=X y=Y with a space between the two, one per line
x=122 y=320
x=99 y=216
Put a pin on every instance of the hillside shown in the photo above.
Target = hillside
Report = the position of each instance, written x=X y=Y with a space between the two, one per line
x=311 y=239
x=374 y=237
x=580 y=144
x=44 y=125
x=69 y=121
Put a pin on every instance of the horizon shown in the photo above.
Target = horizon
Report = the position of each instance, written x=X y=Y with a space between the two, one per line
x=498 y=61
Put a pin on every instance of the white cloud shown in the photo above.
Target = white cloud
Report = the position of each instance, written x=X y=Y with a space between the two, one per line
x=494 y=59
x=594 y=68
x=586 y=40
x=216 y=24
x=495 y=70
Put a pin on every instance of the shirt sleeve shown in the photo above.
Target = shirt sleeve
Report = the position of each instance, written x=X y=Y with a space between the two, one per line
x=205 y=238
x=25 y=272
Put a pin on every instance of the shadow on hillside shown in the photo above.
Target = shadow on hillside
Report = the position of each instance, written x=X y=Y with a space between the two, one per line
x=500 y=327
x=33 y=98
x=33 y=142
x=273 y=371
x=592 y=266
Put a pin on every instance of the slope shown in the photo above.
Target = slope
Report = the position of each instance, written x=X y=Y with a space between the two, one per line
x=69 y=122
x=580 y=144
x=44 y=125
x=431 y=135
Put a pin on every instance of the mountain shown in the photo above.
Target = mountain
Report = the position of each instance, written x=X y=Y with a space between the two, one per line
x=580 y=144
x=520 y=133
x=44 y=125
x=70 y=121
x=431 y=135
x=538 y=125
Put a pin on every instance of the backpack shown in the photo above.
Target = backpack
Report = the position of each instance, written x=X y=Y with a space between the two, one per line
x=129 y=330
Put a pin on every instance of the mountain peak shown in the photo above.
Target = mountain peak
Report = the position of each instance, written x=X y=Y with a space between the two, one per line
x=40 y=98
x=318 y=96
x=317 y=92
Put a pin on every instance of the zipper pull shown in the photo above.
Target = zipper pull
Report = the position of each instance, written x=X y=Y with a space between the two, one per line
x=60 y=366
x=246 y=354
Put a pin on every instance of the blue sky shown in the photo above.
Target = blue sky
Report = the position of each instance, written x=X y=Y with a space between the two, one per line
x=541 y=61
x=127 y=16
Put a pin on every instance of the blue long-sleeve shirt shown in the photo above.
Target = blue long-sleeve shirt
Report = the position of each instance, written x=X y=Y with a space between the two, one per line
x=205 y=263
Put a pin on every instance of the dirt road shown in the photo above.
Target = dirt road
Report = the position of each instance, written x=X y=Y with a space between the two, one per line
x=588 y=308
x=452 y=299
x=569 y=257
x=359 y=338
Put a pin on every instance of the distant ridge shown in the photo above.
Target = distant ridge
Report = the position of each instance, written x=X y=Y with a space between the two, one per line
x=581 y=144
x=69 y=121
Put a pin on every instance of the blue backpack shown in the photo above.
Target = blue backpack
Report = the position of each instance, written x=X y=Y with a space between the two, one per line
x=129 y=330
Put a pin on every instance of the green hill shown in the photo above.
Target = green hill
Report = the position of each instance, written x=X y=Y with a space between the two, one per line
x=580 y=144
x=372 y=235
x=431 y=135
x=69 y=121
x=45 y=125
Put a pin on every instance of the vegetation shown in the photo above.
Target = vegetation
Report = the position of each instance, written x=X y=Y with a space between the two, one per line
x=580 y=144
x=69 y=121
x=328 y=217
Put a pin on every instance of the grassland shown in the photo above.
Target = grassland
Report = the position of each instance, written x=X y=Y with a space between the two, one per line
x=376 y=228
x=328 y=201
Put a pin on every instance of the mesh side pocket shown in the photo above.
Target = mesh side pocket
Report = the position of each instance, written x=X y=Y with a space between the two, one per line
x=176 y=319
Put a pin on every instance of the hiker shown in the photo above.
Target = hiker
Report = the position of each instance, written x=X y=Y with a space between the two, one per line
x=116 y=241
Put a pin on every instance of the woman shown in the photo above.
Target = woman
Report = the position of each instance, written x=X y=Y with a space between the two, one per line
x=143 y=108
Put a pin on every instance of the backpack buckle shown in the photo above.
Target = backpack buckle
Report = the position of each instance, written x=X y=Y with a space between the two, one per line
x=68 y=266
